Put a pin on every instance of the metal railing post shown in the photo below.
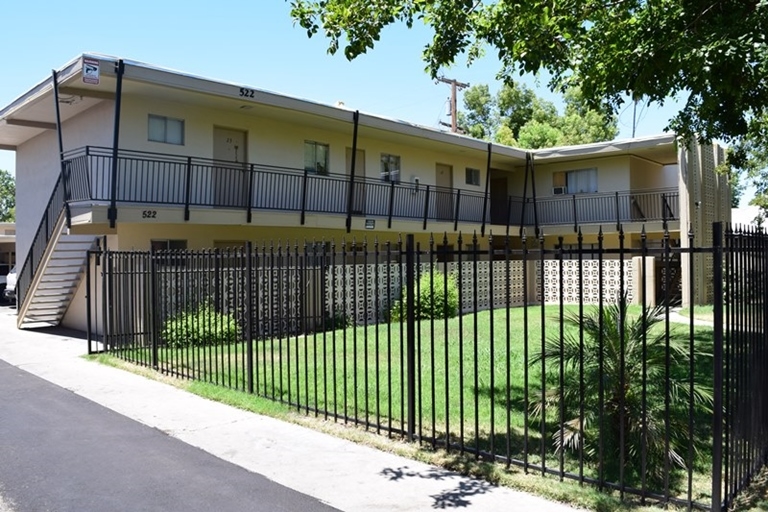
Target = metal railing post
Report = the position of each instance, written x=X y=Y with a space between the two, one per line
x=112 y=212
x=456 y=215
x=575 y=222
x=249 y=214
x=426 y=206
x=717 y=421
x=304 y=195
x=410 y=284
x=618 y=215
x=187 y=187
x=391 y=203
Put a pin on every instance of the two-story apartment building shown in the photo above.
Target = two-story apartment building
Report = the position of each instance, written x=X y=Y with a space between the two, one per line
x=143 y=157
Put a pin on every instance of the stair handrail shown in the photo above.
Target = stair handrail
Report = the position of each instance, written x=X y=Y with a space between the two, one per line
x=47 y=226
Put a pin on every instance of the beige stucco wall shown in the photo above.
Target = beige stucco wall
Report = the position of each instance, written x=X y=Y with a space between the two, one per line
x=37 y=167
x=76 y=316
x=139 y=236
x=613 y=174
x=647 y=175
x=280 y=143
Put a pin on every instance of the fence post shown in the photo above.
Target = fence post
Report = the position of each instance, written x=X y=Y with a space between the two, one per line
x=426 y=206
x=249 y=313
x=153 y=308
x=88 y=313
x=717 y=421
x=410 y=283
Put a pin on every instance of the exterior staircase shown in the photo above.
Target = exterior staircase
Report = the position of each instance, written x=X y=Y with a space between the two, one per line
x=56 y=281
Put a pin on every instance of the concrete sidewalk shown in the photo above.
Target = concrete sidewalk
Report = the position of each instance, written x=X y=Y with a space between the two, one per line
x=340 y=473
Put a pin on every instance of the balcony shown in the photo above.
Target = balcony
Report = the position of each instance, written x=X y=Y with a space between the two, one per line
x=160 y=179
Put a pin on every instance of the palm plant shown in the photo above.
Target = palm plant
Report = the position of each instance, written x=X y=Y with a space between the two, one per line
x=635 y=377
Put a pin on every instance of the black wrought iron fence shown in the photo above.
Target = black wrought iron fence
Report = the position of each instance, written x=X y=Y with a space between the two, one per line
x=592 y=381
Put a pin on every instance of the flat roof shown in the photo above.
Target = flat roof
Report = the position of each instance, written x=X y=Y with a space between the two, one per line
x=32 y=112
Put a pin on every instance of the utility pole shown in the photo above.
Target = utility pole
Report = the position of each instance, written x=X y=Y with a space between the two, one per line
x=455 y=87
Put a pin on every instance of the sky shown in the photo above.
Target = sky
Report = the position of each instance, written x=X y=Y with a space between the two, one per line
x=253 y=42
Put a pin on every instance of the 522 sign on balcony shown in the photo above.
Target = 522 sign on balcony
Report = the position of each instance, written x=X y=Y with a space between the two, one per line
x=149 y=214
x=247 y=93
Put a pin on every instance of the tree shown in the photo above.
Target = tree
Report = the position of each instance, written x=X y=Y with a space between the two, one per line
x=7 y=197
x=516 y=116
x=713 y=53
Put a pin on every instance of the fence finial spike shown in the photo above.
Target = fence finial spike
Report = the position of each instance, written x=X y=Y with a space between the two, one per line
x=445 y=238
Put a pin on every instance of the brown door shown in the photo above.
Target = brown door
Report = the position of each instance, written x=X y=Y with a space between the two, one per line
x=358 y=199
x=230 y=183
x=444 y=206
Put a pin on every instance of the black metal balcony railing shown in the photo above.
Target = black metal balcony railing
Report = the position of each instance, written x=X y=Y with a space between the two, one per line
x=153 y=178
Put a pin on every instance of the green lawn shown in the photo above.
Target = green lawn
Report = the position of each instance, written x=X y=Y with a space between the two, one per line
x=705 y=313
x=471 y=374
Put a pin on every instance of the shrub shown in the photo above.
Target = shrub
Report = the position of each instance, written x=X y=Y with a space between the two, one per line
x=437 y=296
x=200 y=327
x=644 y=345
x=335 y=320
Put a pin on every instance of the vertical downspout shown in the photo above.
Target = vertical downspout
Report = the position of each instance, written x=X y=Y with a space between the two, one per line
x=112 y=213
x=351 y=193
x=63 y=168
x=487 y=186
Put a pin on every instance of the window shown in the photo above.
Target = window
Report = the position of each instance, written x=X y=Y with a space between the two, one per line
x=390 y=167
x=169 y=245
x=166 y=129
x=229 y=244
x=473 y=176
x=581 y=181
x=315 y=157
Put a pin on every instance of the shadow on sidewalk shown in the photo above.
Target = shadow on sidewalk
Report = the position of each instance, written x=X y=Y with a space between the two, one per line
x=450 y=498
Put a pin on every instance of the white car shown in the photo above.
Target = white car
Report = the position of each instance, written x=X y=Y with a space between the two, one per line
x=10 y=285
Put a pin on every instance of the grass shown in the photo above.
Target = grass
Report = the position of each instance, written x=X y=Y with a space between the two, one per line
x=477 y=396
x=705 y=313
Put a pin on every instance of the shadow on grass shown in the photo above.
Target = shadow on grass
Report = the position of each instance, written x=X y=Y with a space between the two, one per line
x=456 y=497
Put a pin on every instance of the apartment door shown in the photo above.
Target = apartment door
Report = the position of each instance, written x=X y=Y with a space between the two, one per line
x=498 y=197
x=358 y=197
x=230 y=180
x=444 y=209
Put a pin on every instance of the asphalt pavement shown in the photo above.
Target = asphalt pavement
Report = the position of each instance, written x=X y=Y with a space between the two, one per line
x=61 y=452
x=77 y=435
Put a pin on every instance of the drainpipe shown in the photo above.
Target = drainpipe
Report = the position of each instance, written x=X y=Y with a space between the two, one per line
x=351 y=192
x=487 y=185
x=64 y=171
x=112 y=212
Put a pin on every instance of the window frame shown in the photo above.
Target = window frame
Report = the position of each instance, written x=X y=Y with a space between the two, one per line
x=470 y=173
x=165 y=120
x=572 y=172
x=387 y=174
x=313 y=169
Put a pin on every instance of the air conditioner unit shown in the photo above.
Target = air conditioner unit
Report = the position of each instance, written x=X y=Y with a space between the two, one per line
x=559 y=191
